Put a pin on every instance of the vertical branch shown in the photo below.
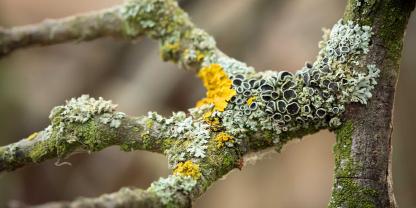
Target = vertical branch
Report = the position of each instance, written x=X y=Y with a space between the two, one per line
x=363 y=148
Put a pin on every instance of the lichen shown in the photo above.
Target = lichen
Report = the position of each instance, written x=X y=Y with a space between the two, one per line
x=218 y=86
x=189 y=133
x=188 y=168
x=224 y=138
x=315 y=96
x=164 y=20
x=82 y=109
x=168 y=189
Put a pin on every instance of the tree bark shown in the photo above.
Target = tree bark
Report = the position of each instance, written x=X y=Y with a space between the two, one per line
x=363 y=149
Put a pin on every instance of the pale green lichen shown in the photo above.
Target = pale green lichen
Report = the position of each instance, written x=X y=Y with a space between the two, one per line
x=180 y=41
x=279 y=104
x=312 y=97
x=168 y=189
x=82 y=109
x=191 y=134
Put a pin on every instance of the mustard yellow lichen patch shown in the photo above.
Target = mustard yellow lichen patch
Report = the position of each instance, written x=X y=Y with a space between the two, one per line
x=251 y=100
x=222 y=137
x=218 y=87
x=187 y=168
x=32 y=136
x=213 y=122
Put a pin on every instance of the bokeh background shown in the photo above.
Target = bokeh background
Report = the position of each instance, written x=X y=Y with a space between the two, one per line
x=267 y=34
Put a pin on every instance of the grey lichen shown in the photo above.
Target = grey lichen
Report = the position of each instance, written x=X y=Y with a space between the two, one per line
x=315 y=96
x=80 y=111
x=168 y=189
x=274 y=103
x=114 y=119
x=190 y=132
x=180 y=41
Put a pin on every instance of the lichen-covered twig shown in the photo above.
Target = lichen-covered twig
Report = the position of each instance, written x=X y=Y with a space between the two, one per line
x=83 y=124
x=180 y=40
x=243 y=111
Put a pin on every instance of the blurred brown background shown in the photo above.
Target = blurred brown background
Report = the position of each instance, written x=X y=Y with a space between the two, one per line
x=267 y=34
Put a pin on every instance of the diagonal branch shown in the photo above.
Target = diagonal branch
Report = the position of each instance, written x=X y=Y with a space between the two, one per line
x=83 y=27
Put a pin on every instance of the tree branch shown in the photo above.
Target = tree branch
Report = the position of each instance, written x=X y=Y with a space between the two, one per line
x=126 y=197
x=363 y=148
x=75 y=28
x=84 y=124
x=180 y=41
x=244 y=110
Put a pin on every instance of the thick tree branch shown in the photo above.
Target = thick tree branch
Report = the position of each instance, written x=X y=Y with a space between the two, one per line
x=363 y=149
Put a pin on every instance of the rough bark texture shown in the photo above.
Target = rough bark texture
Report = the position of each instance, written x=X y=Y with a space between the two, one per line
x=363 y=150
x=75 y=28
x=125 y=198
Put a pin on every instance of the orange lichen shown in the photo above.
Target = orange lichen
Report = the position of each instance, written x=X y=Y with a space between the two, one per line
x=218 y=87
x=187 y=168
x=222 y=137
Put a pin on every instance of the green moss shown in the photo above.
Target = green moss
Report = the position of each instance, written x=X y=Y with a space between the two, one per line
x=360 y=11
x=389 y=17
x=394 y=15
x=94 y=135
x=228 y=161
x=346 y=191
x=42 y=150
x=342 y=150
x=168 y=143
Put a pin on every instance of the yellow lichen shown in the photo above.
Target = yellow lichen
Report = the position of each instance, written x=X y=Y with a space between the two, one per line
x=187 y=168
x=251 y=100
x=199 y=56
x=32 y=136
x=174 y=47
x=218 y=87
x=213 y=122
x=170 y=51
x=222 y=137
